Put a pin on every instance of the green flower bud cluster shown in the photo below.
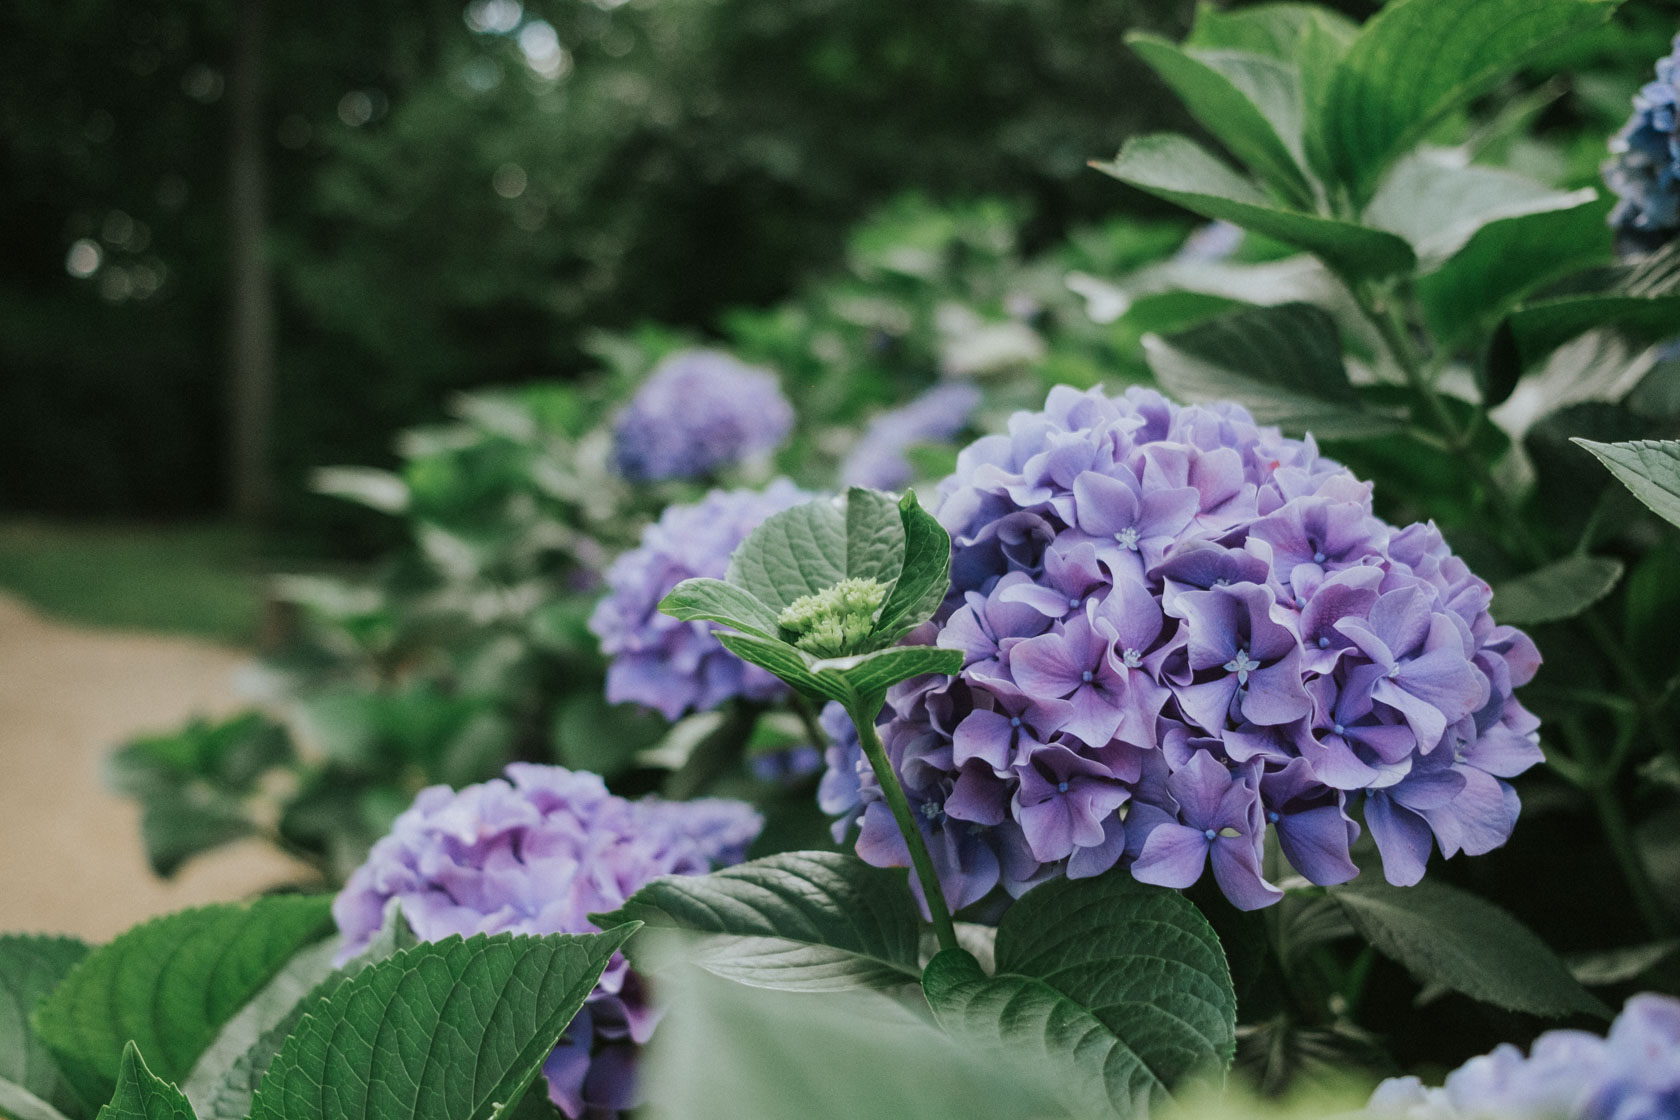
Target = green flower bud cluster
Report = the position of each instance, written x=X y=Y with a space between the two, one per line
x=835 y=621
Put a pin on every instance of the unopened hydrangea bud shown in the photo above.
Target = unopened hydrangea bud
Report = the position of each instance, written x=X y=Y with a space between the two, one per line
x=835 y=621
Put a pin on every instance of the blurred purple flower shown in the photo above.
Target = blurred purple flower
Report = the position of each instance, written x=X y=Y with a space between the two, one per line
x=671 y=666
x=699 y=412
x=1195 y=625
x=536 y=853
x=879 y=457
x=1631 y=1074
x=1644 y=165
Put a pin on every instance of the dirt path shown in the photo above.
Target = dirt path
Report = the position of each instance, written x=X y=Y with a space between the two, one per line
x=70 y=853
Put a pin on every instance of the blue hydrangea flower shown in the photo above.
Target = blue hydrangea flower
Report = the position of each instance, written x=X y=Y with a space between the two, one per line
x=537 y=853
x=1182 y=630
x=879 y=458
x=699 y=412
x=671 y=666
x=1632 y=1074
x=1644 y=165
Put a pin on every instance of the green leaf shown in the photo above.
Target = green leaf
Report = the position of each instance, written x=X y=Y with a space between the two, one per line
x=852 y=681
x=713 y=600
x=225 y=1080
x=1640 y=301
x=792 y=554
x=1450 y=937
x=170 y=984
x=1504 y=260
x=142 y=1095
x=1649 y=468
x=448 y=1030
x=1225 y=91
x=925 y=576
x=798 y=921
x=1560 y=590
x=1178 y=170
x=1119 y=987
x=1272 y=31
x=1619 y=966
x=1438 y=205
x=874 y=536
x=1417 y=60
x=30 y=968
x=18 y=1103
x=787 y=662
x=1284 y=363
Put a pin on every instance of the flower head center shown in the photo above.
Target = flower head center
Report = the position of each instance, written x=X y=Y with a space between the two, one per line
x=1128 y=538
x=1131 y=659
x=1061 y=787
x=1086 y=676
x=1242 y=665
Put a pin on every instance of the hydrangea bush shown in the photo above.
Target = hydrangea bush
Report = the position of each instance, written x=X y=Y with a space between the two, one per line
x=538 y=853
x=1182 y=631
x=1644 y=168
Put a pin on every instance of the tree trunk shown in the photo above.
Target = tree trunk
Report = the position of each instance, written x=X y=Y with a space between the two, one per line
x=251 y=300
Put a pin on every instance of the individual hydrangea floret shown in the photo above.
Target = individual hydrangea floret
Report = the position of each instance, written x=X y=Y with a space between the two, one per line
x=700 y=411
x=537 y=853
x=1644 y=165
x=834 y=621
x=879 y=458
x=671 y=666
x=1183 y=632
x=1632 y=1074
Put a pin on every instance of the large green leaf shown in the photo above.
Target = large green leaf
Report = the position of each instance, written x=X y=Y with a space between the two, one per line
x=1251 y=104
x=448 y=1030
x=925 y=575
x=1272 y=31
x=1640 y=300
x=1438 y=205
x=170 y=984
x=1120 y=988
x=1452 y=938
x=1177 y=169
x=30 y=968
x=1560 y=590
x=852 y=681
x=713 y=600
x=18 y=1103
x=1284 y=363
x=792 y=554
x=874 y=536
x=142 y=1095
x=1508 y=258
x=1649 y=468
x=1417 y=60
x=798 y=921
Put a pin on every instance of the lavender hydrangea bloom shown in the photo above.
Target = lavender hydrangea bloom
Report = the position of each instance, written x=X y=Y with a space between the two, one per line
x=1644 y=168
x=1632 y=1074
x=671 y=666
x=1182 y=631
x=536 y=853
x=878 y=458
x=698 y=412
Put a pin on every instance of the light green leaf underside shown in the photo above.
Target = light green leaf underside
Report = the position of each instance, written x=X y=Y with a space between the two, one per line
x=1649 y=468
x=1558 y=591
x=30 y=968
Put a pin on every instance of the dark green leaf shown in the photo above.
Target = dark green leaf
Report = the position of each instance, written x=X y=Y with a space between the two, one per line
x=792 y=554
x=1225 y=91
x=716 y=601
x=1647 y=467
x=926 y=573
x=1119 y=987
x=1560 y=590
x=30 y=968
x=799 y=921
x=1178 y=170
x=449 y=1030
x=170 y=984
x=1284 y=363
x=1417 y=60
x=142 y=1095
x=1505 y=260
x=1640 y=301
x=1450 y=937
x=1619 y=966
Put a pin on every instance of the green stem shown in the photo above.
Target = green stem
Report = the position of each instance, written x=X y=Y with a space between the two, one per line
x=1599 y=776
x=876 y=752
x=1387 y=323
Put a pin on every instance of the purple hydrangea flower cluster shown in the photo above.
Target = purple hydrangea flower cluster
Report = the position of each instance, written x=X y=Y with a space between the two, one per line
x=1633 y=1074
x=698 y=412
x=538 y=853
x=1182 y=632
x=671 y=666
x=1644 y=168
x=878 y=458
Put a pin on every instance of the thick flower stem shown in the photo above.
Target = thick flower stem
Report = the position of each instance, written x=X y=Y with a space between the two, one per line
x=1387 y=323
x=876 y=752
